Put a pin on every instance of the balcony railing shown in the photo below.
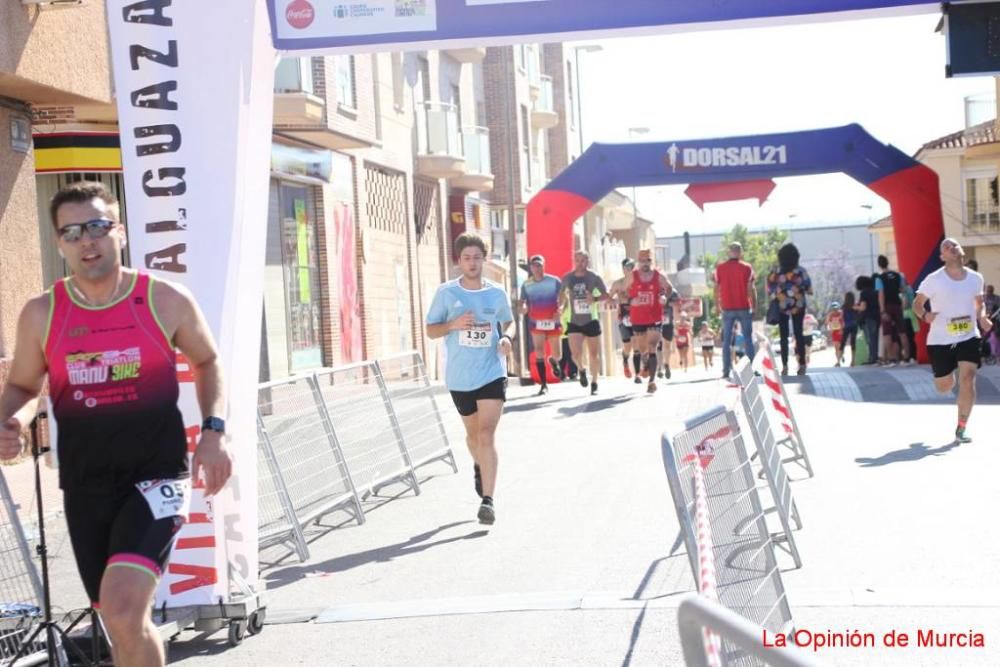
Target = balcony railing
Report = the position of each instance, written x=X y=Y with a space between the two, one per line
x=544 y=101
x=476 y=145
x=437 y=130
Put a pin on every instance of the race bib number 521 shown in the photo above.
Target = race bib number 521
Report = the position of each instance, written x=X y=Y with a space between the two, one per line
x=166 y=497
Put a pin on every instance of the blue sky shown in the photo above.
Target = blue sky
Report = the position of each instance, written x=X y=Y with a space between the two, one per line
x=885 y=73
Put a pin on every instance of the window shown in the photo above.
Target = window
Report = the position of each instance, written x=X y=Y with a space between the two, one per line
x=293 y=75
x=571 y=92
x=522 y=57
x=398 y=87
x=982 y=213
x=291 y=291
x=345 y=82
x=377 y=99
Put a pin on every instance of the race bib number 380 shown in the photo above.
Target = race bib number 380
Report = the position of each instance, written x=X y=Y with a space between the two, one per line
x=166 y=497
x=480 y=335
x=959 y=326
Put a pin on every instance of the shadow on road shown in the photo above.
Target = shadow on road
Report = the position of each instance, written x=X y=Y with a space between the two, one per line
x=535 y=405
x=597 y=405
x=914 y=452
x=415 y=544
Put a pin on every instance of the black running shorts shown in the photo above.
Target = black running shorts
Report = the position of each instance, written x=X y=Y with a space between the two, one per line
x=643 y=328
x=667 y=331
x=945 y=358
x=626 y=332
x=116 y=528
x=591 y=329
x=465 y=401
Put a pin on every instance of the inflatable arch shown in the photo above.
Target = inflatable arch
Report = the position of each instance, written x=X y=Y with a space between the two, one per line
x=910 y=187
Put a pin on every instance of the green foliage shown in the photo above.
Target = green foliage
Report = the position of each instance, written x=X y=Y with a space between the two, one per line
x=760 y=250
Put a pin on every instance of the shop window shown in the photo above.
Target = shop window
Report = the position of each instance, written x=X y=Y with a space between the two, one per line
x=292 y=245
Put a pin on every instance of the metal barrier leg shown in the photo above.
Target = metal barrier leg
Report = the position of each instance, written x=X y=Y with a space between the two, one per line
x=286 y=502
x=338 y=452
x=448 y=456
x=413 y=483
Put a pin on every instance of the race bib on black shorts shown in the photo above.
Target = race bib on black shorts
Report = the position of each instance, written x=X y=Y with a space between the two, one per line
x=166 y=497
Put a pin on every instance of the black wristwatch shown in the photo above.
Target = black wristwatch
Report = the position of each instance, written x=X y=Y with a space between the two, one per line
x=216 y=424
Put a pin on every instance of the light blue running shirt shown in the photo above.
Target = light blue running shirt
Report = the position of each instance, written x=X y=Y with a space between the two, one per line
x=471 y=359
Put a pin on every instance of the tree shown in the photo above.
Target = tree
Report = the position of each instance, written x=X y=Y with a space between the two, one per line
x=832 y=275
x=760 y=250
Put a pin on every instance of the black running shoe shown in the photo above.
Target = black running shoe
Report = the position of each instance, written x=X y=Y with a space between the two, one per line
x=637 y=380
x=555 y=368
x=479 y=479
x=487 y=514
x=583 y=378
x=666 y=371
x=593 y=388
x=544 y=390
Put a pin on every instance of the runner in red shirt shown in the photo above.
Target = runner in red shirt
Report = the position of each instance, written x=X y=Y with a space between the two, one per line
x=835 y=324
x=648 y=290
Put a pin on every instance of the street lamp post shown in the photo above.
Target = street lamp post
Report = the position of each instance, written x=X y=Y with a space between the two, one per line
x=586 y=48
x=636 y=131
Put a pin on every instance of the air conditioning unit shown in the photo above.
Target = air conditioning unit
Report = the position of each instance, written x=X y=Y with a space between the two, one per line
x=54 y=4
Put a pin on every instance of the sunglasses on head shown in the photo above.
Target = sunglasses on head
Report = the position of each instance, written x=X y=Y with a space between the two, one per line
x=96 y=229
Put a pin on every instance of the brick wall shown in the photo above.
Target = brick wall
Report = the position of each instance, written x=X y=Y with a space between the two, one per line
x=554 y=64
x=52 y=115
x=498 y=67
x=359 y=121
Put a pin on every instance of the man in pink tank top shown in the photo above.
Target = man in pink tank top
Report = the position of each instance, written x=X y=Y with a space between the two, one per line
x=107 y=338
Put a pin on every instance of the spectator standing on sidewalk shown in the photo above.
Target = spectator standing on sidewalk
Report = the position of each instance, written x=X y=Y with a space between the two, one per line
x=734 y=297
x=789 y=284
x=891 y=286
x=868 y=312
x=850 y=336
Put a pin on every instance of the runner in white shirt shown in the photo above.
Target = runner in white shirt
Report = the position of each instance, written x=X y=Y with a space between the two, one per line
x=955 y=293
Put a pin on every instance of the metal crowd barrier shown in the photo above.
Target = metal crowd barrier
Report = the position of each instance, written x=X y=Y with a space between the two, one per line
x=697 y=614
x=20 y=586
x=770 y=457
x=764 y=362
x=328 y=439
x=747 y=577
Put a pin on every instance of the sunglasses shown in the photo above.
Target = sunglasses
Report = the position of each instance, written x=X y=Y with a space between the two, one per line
x=96 y=229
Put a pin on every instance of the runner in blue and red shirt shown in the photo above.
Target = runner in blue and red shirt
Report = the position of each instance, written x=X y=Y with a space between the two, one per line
x=542 y=302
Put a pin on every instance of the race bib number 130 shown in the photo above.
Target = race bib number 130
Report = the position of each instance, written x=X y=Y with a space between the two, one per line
x=479 y=335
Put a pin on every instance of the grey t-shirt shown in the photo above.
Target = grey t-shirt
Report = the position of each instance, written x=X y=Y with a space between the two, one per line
x=579 y=287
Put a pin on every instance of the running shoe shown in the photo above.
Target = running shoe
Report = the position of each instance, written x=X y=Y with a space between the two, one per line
x=487 y=514
x=637 y=380
x=628 y=372
x=666 y=371
x=583 y=378
x=659 y=374
x=593 y=388
x=555 y=368
x=544 y=390
x=960 y=436
x=651 y=388
x=479 y=479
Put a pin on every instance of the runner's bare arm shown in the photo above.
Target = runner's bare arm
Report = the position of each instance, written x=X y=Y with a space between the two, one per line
x=193 y=337
x=442 y=329
x=668 y=287
x=918 y=308
x=985 y=323
x=18 y=400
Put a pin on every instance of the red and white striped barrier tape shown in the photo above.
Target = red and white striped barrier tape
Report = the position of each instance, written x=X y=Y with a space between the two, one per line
x=703 y=536
x=773 y=382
